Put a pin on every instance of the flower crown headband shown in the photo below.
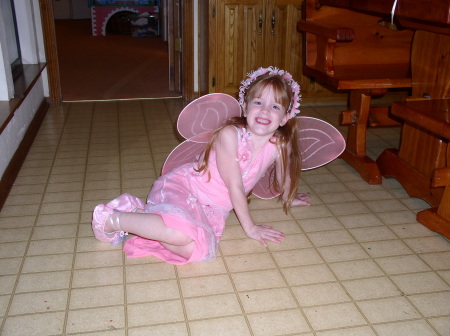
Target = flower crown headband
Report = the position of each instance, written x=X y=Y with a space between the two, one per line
x=295 y=103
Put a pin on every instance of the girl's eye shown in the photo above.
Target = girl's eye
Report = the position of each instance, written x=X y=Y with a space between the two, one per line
x=276 y=107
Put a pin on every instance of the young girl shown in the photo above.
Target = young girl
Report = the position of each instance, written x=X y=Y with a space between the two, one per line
x=186 y=209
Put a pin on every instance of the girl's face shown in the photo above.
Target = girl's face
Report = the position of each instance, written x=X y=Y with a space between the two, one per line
x=264 y=114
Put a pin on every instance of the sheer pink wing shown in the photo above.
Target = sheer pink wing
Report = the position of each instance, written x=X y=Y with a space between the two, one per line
x=206 y=114
x=319 y=143
x=196 y=123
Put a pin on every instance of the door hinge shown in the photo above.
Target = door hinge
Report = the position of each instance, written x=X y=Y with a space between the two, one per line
x=213 y=11
x=213 y=82
x=178 y=44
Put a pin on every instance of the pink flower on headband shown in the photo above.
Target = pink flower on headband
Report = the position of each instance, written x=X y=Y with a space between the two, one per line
x=295 y=104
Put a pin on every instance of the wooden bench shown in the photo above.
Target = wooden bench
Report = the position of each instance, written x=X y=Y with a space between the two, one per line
x=349 y=50
x=422 y=164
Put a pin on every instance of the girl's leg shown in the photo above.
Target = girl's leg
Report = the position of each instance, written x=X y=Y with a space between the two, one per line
x=151 y=226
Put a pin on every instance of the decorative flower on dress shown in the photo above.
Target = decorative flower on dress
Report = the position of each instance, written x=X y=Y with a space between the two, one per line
x=295 y=103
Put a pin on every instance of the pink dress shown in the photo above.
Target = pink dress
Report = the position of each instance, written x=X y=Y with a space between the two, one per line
x=197 y=205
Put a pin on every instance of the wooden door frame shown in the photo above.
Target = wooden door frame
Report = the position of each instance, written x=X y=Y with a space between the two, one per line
x=186 y=72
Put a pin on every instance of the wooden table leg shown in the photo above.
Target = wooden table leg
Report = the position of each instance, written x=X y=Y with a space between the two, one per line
x=355 y=151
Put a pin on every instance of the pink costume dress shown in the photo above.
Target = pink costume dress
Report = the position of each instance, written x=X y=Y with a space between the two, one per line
x=197 y=205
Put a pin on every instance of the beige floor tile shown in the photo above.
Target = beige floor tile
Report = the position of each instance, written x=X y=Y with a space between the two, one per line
x=15 y=235
x=96 y=319
x=241 y=246
x=267 y=300
x=31 y=303
x=292 y=242
x=35 y=324
x=313 y=211
x=48 y=263
x=7 y=283
x=413 y=230
x=320 y=294
x=310 y=274
x=356 y=331
x=172 y=329
x=10 y=266
x=328 y=238
x=155 y=313
x=13 y=250
x=372 y=288
x=420 y=283
x=300 y=257
x=350 y=208
x=342 y=252
x=265 y=279
x=428 y=244
x=149 y=272
x=51 y=246
x=220 y=326
x=202 y=269
x=4 y=303
x=105 y=258
x=99 y=296
x=337 y=316
x=278 y=322
x=371 y=234
x=97 y=277
x=250 y=262
x=402 y=264
x=212 y=306
x=43 y=281
x=419 y=327
x=356 y=269
x=386 y=248
x=388 y=310
x=17 y=222
x=360 y=220
x=441 y=324
x=438 y=260
x=320 y=224
x=432 y=304
x=207 y=285
x=338 y=197
x=54 y=232
x=445 y=275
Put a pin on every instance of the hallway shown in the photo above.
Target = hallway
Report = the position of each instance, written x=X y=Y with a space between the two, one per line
x=355 y=262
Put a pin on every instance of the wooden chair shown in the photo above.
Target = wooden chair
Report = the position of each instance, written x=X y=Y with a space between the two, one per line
x=422 y=162
x=348 y=50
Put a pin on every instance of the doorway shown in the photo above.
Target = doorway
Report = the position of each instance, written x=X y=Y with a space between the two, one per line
x=120 y=65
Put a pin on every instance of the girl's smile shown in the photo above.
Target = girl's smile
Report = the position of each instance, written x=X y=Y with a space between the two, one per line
x=264 y=114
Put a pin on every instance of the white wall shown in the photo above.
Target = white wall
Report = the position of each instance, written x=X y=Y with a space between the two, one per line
x=32 y=49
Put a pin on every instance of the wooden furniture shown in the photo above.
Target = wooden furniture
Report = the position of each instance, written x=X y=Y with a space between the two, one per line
x=347 y=49
x=247 y=34
x=422 y=164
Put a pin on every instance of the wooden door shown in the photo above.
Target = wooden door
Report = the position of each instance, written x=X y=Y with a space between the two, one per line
x=282 y=43
x=236 y=42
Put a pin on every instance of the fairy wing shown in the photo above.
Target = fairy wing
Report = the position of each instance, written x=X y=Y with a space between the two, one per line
x=319 y=143
x=196 y=123
x=206 y=114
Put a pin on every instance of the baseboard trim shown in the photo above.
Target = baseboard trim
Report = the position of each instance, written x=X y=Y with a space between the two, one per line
x=11 y=172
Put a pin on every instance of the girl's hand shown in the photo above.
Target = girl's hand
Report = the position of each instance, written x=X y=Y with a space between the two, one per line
x=262 y=233
x=301 y=199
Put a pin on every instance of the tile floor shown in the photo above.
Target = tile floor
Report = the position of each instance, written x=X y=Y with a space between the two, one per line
x=355 y=262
